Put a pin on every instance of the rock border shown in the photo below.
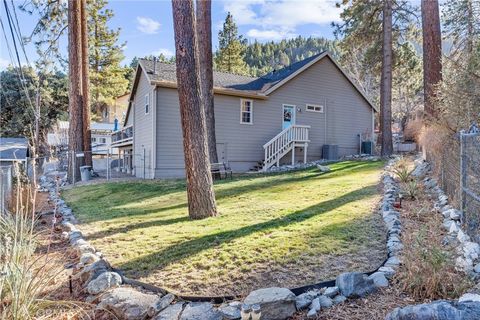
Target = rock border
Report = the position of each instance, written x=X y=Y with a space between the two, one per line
x=112 y=292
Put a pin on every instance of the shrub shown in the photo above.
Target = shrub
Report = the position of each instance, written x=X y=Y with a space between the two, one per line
x=411 y=189
x=413 y=129
x=402 y=173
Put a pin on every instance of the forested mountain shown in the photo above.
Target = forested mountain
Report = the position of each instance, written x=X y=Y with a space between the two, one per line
x=262 y=58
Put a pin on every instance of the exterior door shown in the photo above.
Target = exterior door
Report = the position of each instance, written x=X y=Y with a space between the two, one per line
x=288 y=116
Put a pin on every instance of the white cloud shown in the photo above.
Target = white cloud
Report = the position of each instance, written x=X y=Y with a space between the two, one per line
x=148 y=25
x=270 y=34
x=166 y=52
x=277 y=19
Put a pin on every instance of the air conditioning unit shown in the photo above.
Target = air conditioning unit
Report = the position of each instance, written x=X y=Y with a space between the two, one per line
x=330 y=151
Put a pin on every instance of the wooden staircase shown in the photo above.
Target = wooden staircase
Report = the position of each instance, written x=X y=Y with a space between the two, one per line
x=284 y=142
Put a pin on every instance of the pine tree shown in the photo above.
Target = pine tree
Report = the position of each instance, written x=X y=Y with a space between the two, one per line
x=107 y=76
x=230 y=56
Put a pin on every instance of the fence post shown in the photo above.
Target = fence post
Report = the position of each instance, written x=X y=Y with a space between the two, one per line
x=463 y=173
x=108 y=164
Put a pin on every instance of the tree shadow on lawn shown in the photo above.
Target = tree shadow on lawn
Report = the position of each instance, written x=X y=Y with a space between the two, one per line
x=257 y=183
x=144 y=265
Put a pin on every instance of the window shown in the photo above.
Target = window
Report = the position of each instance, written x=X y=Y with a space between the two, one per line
x=314 y=108
x=94 y=139
x=103 y=140
x=146 y=103
x=246 y=111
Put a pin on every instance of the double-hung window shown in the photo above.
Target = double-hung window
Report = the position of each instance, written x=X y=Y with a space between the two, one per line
x=246 y=111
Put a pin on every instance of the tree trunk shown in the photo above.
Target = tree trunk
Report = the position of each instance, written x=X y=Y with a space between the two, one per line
x=87 y=135
x=75 y=130
x=386 y=81
x=200 y=193
x=204 y=33
x=432 y=54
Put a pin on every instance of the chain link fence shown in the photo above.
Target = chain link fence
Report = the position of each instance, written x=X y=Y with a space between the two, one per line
x=458 y=172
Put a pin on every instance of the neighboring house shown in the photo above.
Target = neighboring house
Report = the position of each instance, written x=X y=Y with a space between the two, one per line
x=285 y=116
x=101 y=136
x=109 y=113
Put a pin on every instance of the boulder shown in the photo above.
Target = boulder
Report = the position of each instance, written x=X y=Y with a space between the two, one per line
x=339 y=299
x=103 y=282
x=462 y=237
x=331 y=292
x=230 y=311
x=437 y=310
x=275 y=303
x=171 y=312
x=93 y=270
x=316 y=305
x=88 y=258
x=160 y=304
x=469 y=297
x=453 y=228
x=325 y=302
x=127 y=303
x=471 y=250
x=454 y=214
x=379 y=279
x=389 y=272
x=305 y=299
x=354 y=284
x=464 y=264
x=393 y=261
x=200 y=311
x=312 y=313
x=477 y=268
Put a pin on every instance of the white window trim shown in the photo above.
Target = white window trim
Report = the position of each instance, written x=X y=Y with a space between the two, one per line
x=146 y=102
x=314 y=106
x=251 y=111
x=294 y=112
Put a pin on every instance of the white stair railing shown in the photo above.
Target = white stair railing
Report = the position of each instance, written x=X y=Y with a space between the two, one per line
x=283 y=142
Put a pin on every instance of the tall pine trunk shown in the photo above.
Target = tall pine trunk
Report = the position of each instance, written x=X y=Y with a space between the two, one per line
x=386 y=81
x=204 y=36
x=75 y=130
x=200 y=193
x=87 y=135
x=432 y=54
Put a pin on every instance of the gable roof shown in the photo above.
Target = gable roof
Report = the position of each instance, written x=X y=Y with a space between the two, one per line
x=165 y=75
x=13 y=149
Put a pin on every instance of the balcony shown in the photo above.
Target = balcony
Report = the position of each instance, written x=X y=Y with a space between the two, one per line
x=122 y=137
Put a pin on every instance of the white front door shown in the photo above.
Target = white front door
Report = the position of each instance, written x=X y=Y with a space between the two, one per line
x=288 y=116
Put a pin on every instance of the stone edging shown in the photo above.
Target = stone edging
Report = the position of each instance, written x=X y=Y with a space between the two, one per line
x=109 y=291
x=468 y=305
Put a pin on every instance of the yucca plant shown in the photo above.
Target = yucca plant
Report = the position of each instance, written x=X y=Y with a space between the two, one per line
x=411 y=190
x=402 y=173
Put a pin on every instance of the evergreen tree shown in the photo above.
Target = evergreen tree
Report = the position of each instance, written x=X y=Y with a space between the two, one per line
x=107 y=76
x=229 y=57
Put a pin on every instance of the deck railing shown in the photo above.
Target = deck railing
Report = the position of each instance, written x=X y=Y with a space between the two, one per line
x=122 y=136
x=283 y=142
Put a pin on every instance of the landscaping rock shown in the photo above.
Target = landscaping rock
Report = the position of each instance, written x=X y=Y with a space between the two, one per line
x=331 y=292
x=393 y=261
x=312 y=313
x=389 y=272
x=88 y=258
x=160 y=304
x=323 y=168
x=379 y=279
x=469 y=297
x=462 y=237
x=128 y=303
x=172 y=312
x=339 y=299
x=325 y=302
x=354 y=284
x=438 y=310
x=275 y=303
x=230 y=312
x=477 y=268
x=454 y=229
x=305 y=299
x=200 y=311
x=464 y=264
x=93 y=270
x=471 y=250
x=316 y=305
x=103 y=282
x=454 y=214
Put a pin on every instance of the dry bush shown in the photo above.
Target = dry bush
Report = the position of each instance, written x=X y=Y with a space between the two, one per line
x=413 y=130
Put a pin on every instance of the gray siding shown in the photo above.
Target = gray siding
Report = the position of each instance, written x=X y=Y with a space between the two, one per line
x=346 y=114
x=143 y=129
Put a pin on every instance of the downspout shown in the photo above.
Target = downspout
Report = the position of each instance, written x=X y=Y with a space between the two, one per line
x=154 y=131
x=325 y=118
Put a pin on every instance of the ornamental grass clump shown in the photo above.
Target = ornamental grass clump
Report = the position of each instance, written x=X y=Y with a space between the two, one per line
x=25 y=275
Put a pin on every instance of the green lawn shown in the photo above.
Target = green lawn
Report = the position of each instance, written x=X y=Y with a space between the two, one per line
x=286 y=229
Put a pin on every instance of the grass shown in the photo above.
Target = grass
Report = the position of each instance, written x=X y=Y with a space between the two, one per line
x=285 y=229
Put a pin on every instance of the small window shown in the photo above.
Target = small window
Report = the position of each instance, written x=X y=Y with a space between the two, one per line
x=94 y=139
x=246 y=111
x=103 y=140
x=147 y=98
x=314 y=108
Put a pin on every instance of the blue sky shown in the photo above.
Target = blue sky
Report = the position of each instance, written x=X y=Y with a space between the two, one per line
x=147 y=26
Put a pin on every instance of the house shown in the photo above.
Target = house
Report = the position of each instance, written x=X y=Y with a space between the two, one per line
x=285 y=116
x=108 y=113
